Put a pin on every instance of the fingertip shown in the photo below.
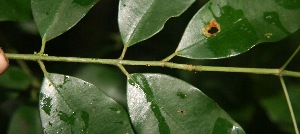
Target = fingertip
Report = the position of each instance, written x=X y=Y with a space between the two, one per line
x=4 y=63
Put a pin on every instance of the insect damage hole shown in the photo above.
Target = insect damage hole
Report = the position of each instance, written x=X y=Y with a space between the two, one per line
x=211 y=29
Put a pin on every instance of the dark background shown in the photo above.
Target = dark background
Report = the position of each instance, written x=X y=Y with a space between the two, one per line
x=97 y=36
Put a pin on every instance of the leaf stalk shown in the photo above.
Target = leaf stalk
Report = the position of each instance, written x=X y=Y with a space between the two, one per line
x=286 y=94
x=291 y=58
x=170 y=57
x=43 y=46
x=123 y=52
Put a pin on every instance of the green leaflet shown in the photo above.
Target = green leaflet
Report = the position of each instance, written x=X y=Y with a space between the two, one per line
x=242 y=25
x=71 y=105
x=162 y=104
x=141 y=19
x=54 y=17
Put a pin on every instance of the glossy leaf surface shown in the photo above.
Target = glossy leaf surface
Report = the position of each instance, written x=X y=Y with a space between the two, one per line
x=141 y=19
x=16 y=10
x=71 y=105
x=224 y=28
x=54 y=17
x=15 y=78
x=26 y=120
x=162 y=104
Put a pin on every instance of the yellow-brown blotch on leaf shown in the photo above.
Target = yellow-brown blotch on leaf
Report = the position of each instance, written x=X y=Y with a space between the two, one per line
x=211 y=29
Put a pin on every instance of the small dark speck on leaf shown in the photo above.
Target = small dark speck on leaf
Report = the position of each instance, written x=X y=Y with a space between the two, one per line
x=181 y=112
x=119 y=122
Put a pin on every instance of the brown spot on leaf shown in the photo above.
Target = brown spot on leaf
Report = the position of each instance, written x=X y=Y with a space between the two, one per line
x=211 y=29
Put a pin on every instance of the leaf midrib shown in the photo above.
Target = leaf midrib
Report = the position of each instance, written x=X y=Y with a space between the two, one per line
x=53 y=20
x=137 y=25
